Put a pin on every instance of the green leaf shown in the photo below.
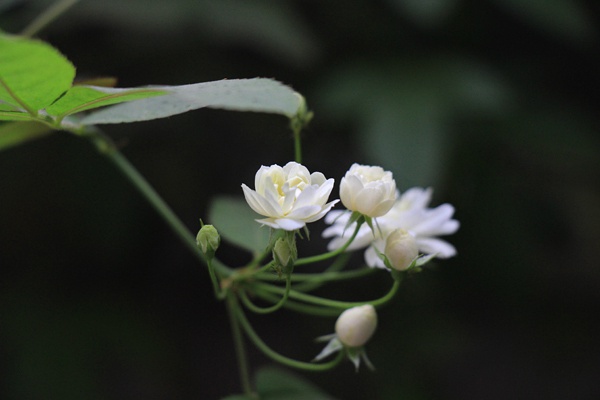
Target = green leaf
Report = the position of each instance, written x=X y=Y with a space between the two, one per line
x=258 y=94
x=32 y=73
x=9 y=112
x=15 y=133
x=277 y=384
x=81 y=98
x=235 y=221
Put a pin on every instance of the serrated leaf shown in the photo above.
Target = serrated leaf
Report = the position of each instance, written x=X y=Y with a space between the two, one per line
x=277 y=384
x=258 y=94
x=32 y=73
x=15 y=133
x=235 y=221
x=83 y=97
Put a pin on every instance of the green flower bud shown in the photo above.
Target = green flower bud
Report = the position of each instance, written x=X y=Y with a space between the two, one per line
x=285 y=253
x=208 y=240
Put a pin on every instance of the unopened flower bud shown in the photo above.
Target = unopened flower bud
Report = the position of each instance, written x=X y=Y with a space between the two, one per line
x=355 y=326
x=285 y=253
x=400 y=249
x=208 y=240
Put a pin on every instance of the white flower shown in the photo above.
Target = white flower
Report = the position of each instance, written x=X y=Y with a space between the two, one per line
x=290 y=196
x=410 y=212
x=353 y=329
x=400 y=249
x=355 y=326
x=369 y=190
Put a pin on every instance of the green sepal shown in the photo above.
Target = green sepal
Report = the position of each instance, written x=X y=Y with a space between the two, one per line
x=355 y=217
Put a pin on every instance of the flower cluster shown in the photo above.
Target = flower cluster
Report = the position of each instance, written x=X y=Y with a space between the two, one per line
x=291 y=196
x=409 y=214
x=398 y=232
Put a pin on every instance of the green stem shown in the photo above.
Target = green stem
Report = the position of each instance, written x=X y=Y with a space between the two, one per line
x=332 y=303
x=325 y=256
x=266 y=310
x=324 y=276
x=298 y=145
x=107 y=148
x=233 y=309
x=157 y=202
x=299 y=307
x=219 y=293
x=290 y=362
x=49 y=15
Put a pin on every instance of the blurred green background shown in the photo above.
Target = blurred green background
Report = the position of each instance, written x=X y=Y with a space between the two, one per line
x=493 y=103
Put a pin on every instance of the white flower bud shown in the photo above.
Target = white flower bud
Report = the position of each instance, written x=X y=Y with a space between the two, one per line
x=401 y=249
x=369 y=190
x=289 y=196
x=355 y=326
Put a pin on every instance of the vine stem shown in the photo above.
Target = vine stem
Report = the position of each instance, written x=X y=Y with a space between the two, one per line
x=328 y=302
x=298 y=145
x=233 y=309
x=325 y=256
x=266 y=310
x=290 y=362
x=107 y=148
x=49 y=15
x=157 y=202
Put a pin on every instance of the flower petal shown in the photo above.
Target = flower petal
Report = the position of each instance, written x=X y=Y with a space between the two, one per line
x=288 y=224
x=440 y=248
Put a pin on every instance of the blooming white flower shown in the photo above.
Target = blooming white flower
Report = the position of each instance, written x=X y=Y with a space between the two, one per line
x=400 y=249
x=369 y=190
x=410 y=212
x=355 y=326
x=289 y=196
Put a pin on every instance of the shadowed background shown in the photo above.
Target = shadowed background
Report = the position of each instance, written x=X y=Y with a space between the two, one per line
x=493 y=103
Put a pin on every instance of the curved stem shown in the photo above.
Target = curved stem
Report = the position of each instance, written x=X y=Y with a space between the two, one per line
x=299 y=307
x=232 y=309
x=290 y=362
x=333 y=303
x=266 y=310
x=325 y=256
x=324 y=276
x=266 y=268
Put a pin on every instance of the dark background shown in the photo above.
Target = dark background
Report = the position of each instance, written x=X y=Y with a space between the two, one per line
x=494 y=103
